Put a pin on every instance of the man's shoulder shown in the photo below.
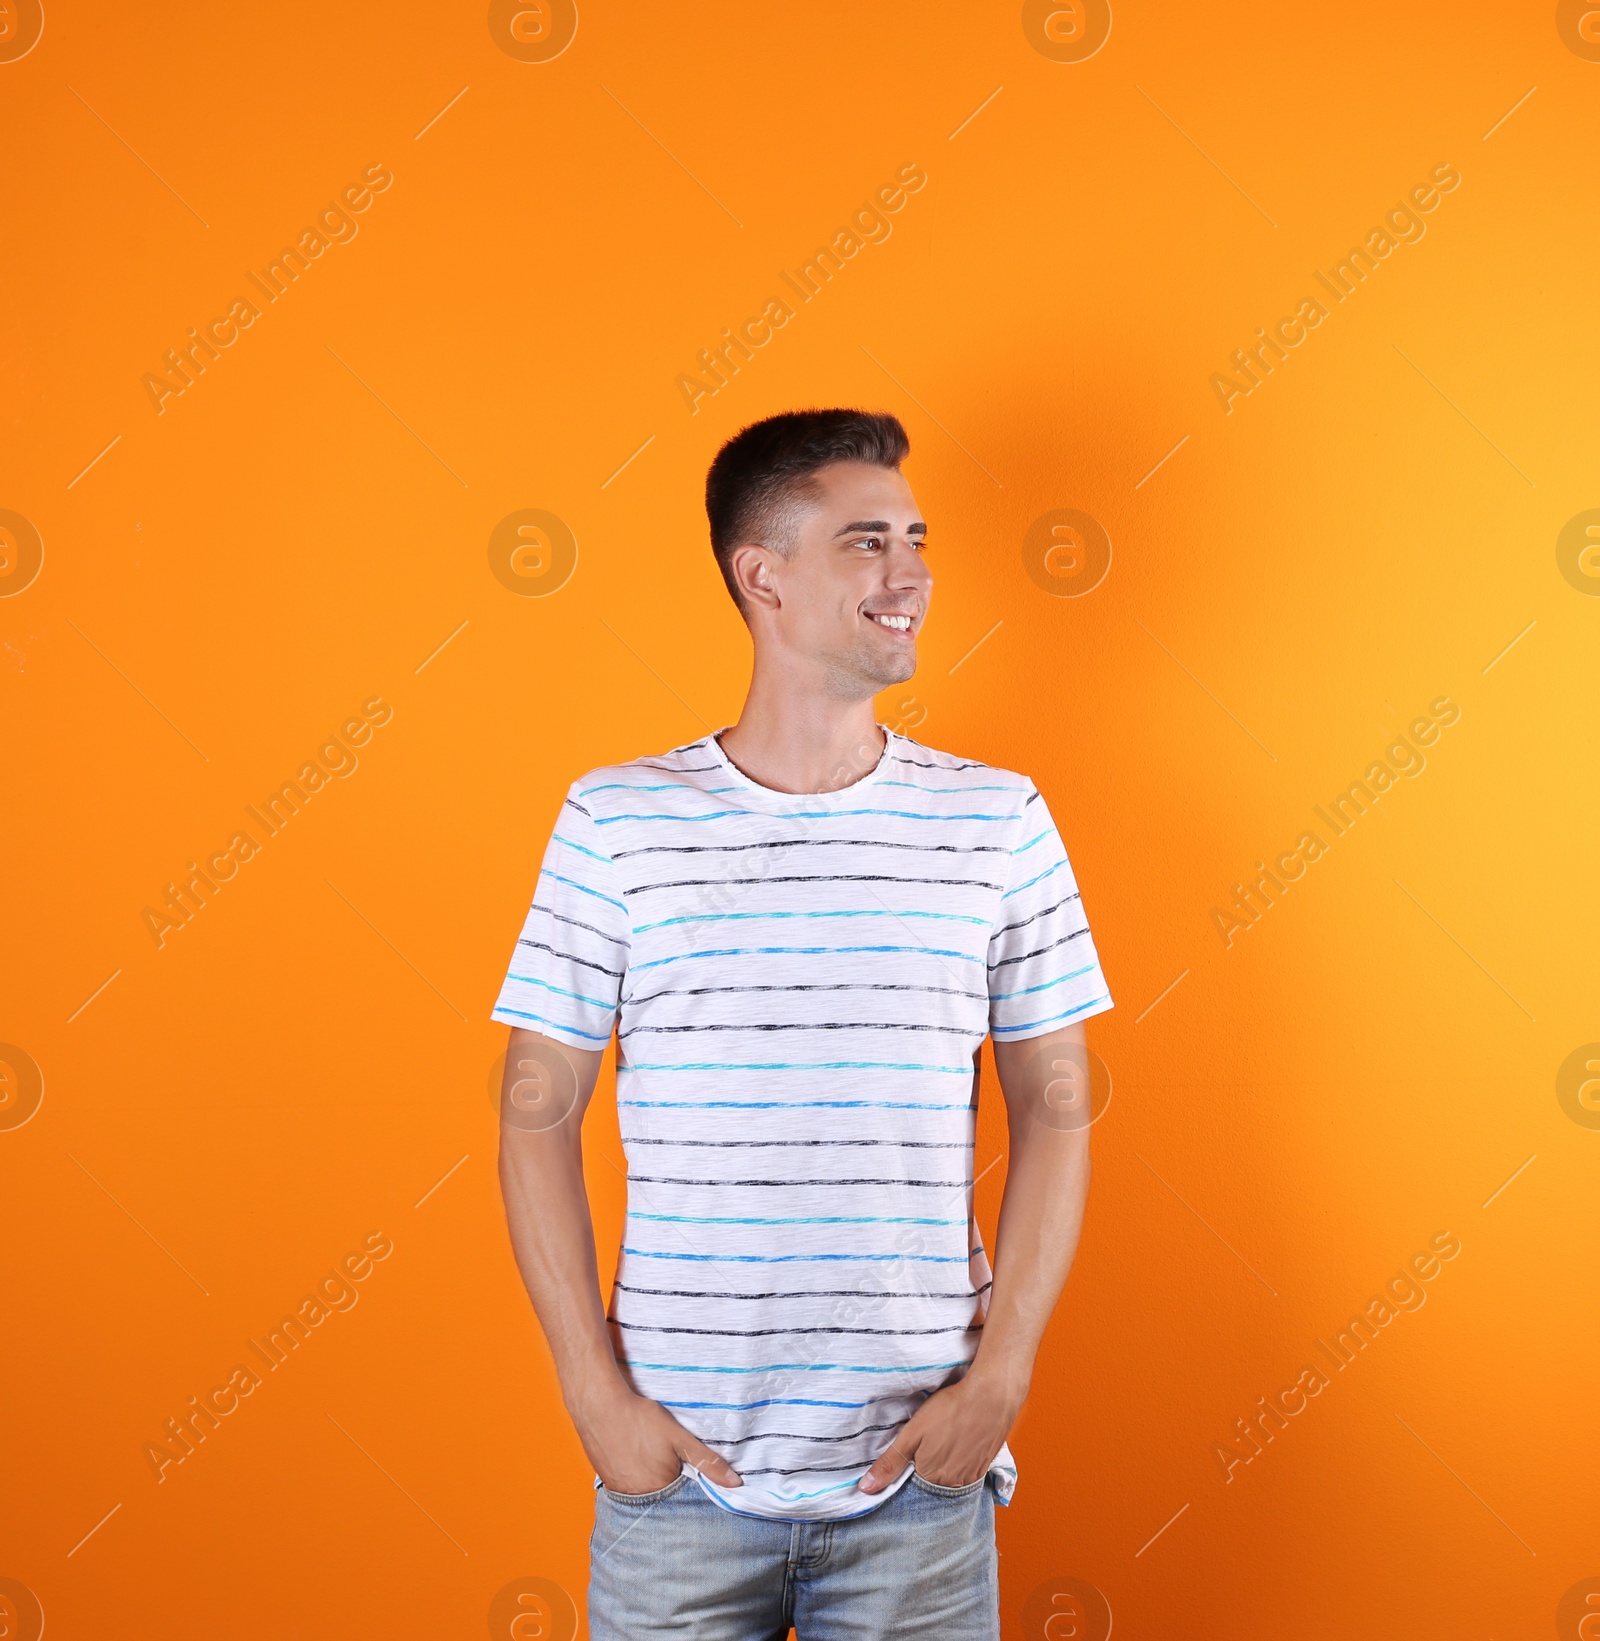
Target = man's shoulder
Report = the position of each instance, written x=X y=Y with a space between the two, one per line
x=953 y=771
x=683 y=765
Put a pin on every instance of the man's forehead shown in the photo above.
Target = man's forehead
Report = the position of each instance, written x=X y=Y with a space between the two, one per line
x=855 y=496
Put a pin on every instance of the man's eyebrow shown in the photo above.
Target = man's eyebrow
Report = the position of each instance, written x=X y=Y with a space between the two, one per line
x=878 y=527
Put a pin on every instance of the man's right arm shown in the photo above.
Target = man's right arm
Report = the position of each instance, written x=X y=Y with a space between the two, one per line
x=635 y=1445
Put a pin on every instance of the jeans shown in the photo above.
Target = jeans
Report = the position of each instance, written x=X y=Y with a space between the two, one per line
x=672 y=1563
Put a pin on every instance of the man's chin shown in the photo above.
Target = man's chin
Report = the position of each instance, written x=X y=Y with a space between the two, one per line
x=887 y=671
x=860 y=676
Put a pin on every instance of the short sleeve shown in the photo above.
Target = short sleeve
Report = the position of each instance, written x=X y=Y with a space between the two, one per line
x=1044 y=972
x=566 y=972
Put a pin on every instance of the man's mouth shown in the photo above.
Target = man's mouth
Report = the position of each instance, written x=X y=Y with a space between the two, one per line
x=895 y=623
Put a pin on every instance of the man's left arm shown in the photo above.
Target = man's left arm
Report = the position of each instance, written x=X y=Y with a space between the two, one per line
x=955 y=1434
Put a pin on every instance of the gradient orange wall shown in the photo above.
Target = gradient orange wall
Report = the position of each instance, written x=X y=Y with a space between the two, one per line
x=1294 y=581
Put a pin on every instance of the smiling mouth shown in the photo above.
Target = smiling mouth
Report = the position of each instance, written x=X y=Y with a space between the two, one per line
x=894 y=623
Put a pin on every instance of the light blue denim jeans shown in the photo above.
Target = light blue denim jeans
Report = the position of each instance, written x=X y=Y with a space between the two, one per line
x=673 y=1563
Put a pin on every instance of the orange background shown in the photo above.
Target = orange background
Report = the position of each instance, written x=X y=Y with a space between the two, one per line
x=300 y=530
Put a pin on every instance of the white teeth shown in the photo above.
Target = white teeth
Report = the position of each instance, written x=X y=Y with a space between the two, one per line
x=900 y=623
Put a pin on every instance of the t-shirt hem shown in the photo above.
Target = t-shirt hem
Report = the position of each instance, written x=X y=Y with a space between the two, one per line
x=1041 y=1028
x=567 y=1035
x=878 y=1501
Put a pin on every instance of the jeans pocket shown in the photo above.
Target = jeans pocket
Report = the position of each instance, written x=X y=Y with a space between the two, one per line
x=940 y=1492
x=656 y=1497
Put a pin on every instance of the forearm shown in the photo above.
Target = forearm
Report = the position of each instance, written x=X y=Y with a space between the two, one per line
x=545 y=1093
x=1041 y=1216
x=636 y=1445
x=552 y=1238
x=1046 y=1086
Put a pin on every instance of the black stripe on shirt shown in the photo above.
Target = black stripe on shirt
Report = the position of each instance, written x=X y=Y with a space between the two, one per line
x=835 y=985
x=789 y=1436
x=855 y=877
x=674 y=769
x=804 y=1025
x=1006 y=928
x=948 y=769
x=1006 y=961
x=571 y=957
x=611 y=938
x=810 y=843
x=766 y=1333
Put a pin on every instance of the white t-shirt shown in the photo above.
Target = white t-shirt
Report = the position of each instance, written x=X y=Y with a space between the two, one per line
x=799 y=984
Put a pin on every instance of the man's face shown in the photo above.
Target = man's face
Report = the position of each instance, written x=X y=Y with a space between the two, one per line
x=853 y=592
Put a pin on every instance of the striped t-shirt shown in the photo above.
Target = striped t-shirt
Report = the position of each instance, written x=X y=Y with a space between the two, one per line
x=799 y=985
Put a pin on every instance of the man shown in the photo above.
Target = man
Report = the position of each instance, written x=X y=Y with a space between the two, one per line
x=806 y=925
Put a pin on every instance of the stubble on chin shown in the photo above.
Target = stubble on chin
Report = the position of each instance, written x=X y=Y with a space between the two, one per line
x=861 y=672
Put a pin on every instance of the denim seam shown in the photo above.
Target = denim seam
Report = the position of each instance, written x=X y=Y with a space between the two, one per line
x=942 y=1492
x=638 y=1501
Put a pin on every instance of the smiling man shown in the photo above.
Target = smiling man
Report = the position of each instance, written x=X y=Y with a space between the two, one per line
x=801 y=929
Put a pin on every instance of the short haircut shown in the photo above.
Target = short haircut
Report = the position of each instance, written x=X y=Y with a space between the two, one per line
x=762 y=471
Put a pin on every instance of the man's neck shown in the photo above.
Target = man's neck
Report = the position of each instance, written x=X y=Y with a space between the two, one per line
x=798 y=740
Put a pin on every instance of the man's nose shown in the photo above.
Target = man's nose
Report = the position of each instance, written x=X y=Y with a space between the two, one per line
x=909 y=569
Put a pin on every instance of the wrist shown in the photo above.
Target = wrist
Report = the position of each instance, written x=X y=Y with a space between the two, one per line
x=1006 y=1378
x=594 y=1394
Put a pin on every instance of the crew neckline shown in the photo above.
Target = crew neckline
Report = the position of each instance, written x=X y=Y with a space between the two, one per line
x=729 y=768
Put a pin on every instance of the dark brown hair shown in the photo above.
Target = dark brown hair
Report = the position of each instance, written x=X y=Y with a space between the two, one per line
x=767 y=466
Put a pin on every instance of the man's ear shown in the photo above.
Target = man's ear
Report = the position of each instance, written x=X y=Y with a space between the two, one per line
x=752 y=567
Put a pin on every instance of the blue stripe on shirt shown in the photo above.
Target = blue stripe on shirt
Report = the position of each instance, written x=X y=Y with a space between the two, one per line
x=1050 y=1019
x=1050 y=872
x=949 y=791
x=577 y=996
x=1027 y=991
x=582 y=888
x=560 y=1025
x=556 y=837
